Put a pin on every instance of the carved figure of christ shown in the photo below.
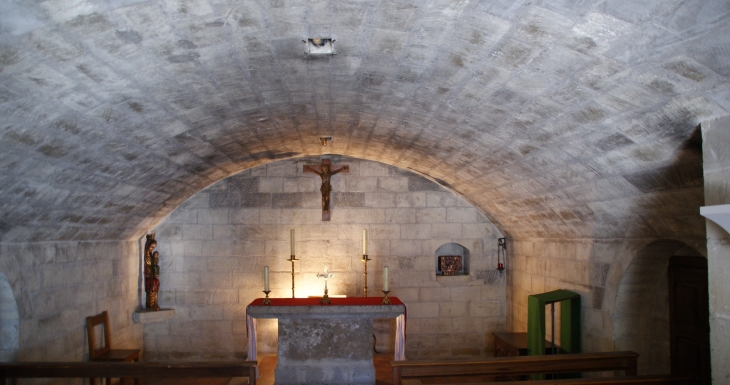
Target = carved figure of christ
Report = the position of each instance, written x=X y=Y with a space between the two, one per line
x=325 y=171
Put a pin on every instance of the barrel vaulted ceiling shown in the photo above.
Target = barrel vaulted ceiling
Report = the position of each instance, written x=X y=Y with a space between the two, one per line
x=560 y=118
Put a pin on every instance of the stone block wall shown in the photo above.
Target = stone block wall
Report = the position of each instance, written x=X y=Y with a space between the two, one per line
x=9 y=320
x=716 y=143
x=56 y=285
x=614 y=277
x=538 y=266
x=214 y=247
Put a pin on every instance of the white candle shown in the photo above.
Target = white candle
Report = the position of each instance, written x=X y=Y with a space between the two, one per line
x=385 y=279
x=364 y=242
x=292 y=242
x=266 y=278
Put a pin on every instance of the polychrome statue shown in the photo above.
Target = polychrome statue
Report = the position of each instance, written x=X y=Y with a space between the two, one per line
x=151 y=273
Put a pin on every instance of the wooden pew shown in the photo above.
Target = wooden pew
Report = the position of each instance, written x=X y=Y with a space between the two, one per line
x=560 y=363
x=623 y=380
x=145 y=370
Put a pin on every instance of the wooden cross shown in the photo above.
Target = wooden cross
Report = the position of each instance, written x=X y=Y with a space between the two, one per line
x=325 y=171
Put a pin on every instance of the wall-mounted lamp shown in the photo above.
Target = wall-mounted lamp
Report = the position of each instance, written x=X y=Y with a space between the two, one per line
x=325 y=140
x=319 y=46
x=501 y=253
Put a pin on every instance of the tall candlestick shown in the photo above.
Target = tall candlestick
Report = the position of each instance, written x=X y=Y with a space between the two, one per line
x=292 y=242
x=364 y=242
x=365 y=260
x=266 y=278
x=385 y=279
x=292 y=259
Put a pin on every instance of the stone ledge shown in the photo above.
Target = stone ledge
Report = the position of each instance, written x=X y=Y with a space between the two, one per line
x=453 y=280
x=151 y=316
x=719 y=214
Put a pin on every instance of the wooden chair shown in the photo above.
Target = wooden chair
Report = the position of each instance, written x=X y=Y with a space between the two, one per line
x=105 y=353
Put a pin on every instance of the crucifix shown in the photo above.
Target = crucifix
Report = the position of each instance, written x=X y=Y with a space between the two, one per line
x=326 y=299
x=325 y=171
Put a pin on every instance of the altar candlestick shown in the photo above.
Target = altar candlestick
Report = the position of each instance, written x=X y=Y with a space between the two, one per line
x=364 y=242
x=292 y=242
x=385 y=279
x=266 y=278
x=292 y=259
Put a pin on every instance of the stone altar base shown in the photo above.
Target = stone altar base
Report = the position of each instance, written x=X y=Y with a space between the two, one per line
x=316 y=351
x=325 y=344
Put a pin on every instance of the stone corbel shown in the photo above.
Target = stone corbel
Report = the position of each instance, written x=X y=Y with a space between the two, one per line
x=151 y=316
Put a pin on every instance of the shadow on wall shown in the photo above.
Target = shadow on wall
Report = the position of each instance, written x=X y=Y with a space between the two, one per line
x=672 y=194
x=8 y=322
x=641 y=318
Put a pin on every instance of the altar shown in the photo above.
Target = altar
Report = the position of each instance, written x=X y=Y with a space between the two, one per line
x=326 y=344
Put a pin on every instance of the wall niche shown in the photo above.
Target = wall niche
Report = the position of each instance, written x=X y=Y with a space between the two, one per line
x=452 y=259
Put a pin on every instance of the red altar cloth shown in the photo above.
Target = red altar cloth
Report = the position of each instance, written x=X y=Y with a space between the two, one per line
x=353 y=301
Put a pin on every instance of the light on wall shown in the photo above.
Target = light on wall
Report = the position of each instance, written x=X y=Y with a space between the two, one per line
x=501 y=253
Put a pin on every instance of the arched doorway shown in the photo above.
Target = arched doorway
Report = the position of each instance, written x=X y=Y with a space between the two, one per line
x=641 y=320
x=8 y=322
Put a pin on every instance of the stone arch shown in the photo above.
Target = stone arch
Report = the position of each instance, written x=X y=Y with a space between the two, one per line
x=641 y=309
x=221 y=239
x=9 y=321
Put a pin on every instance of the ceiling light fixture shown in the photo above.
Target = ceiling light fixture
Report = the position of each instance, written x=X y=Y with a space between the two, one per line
x=319 y=46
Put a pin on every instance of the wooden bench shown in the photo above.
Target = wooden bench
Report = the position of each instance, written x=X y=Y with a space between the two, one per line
x=560 y=363
x=624 y=380
x=143 y=370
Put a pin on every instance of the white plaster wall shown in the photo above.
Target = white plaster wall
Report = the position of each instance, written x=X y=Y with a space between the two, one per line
x=56 y=285
x=214 y=247
x=716 y=149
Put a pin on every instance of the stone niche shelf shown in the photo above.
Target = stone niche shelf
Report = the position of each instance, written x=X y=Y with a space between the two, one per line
x=151 y=316
x=453 y=280
x=719 y=214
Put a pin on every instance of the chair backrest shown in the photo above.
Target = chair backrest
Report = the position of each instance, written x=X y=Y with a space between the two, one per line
x=93 y=321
